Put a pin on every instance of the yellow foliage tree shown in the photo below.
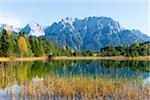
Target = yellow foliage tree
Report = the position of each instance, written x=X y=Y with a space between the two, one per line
x=22 y=44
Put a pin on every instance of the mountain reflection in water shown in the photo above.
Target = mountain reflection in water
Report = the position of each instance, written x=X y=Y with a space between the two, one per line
x=15 y=77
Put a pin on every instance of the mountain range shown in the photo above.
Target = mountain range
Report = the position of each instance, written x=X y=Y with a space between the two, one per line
x=91 y=33
x=8 y=27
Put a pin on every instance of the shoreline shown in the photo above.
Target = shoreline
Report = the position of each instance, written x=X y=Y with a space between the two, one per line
x=5 y=59
x=102 y=58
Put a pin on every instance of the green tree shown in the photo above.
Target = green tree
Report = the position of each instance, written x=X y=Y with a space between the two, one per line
x=6 y=44
x=136 y=44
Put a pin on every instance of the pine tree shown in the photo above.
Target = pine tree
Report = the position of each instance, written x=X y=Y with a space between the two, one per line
x=6 y=44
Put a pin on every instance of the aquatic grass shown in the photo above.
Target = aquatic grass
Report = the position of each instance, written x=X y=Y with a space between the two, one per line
x=65 y=82
x=84 y=87
x=88 y=87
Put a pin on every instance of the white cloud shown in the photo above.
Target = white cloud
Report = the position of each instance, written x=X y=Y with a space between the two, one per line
x=10 y=18
x=11 y=21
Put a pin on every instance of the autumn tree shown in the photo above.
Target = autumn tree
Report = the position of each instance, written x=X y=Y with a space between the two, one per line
x=23 y=46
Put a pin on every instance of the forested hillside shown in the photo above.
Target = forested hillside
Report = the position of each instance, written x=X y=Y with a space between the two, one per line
x=135 y=49
x=22 y=45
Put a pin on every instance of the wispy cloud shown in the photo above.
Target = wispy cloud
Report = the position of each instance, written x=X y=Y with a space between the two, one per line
x=11 y=21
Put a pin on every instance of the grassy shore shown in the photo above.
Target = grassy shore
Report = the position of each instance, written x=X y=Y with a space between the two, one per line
x=102 y=58
x=4 y=59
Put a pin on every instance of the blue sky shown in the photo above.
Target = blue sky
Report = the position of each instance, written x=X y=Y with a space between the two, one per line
x=131 y=14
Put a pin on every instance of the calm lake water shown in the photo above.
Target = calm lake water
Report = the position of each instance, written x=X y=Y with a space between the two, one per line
x=15 y=74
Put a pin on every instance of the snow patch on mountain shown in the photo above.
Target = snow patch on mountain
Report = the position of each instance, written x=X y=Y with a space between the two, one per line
x=92 y=33
x=34 y=29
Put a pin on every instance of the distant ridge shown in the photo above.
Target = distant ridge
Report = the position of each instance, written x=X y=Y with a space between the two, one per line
x=91 y=33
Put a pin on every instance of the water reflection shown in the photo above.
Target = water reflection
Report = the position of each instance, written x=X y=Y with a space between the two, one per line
x=16 y=76
x=113 y=69
x=23 y=71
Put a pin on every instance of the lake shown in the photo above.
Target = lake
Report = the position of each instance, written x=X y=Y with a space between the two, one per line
x=79 y=79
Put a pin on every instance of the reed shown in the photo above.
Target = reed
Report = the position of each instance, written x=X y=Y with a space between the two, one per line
x=89 y=88
x=86 y=88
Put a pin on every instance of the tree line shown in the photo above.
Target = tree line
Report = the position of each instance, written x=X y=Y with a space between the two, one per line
x=22 y=45
x=133 y=50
